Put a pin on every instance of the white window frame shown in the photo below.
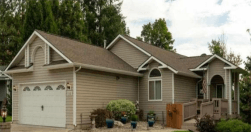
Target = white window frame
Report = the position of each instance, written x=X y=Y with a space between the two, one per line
x=222 y=90
x=154 y=79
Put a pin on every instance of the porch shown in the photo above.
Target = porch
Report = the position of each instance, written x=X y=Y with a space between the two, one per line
x=220 y=100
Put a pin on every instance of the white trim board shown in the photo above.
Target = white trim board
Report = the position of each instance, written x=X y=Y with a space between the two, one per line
x=134 y=45
x=31 y=38
x=211 y=58
x=160 y=62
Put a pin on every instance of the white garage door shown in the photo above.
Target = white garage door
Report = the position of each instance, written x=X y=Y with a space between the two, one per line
x=43 y=104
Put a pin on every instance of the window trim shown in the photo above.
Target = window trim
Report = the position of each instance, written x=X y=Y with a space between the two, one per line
x=155 y=79
x=25 y=88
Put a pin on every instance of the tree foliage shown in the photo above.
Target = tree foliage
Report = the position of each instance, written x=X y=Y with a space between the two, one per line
x=90 y=21
x=157 y=34
x=219 y=47
x=104 y=20
x=245 y=92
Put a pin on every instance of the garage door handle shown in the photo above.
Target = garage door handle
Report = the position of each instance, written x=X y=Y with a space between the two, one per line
x=42 y=107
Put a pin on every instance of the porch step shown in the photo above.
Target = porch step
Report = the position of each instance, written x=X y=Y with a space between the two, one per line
x=190 y=124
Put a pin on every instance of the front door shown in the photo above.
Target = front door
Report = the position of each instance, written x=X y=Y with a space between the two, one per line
x=219 y=90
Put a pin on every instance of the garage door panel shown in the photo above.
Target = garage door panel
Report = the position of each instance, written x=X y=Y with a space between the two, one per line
x=53 y=101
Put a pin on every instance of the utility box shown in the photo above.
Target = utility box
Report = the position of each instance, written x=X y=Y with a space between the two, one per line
x=174 y=115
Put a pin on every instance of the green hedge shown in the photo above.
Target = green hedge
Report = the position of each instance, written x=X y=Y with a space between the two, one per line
x=233 y=125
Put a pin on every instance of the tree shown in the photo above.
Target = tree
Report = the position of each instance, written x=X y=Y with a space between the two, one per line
x=248 y=30
x=218 y=47
x=104 y=20
x=139 y=38
x=10 y=29
x=71 y=21
x=157 y=34
x=245 y=92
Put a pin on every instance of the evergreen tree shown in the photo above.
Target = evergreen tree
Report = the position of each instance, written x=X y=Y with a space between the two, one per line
x=245 y=92
x=71 y=21
x=157 y=34
x=104 y=20
x=33 y=18
x=10 y=29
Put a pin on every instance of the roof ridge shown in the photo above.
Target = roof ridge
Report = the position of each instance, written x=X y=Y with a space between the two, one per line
x=69 y=38
x=155 y=46
x=194 y=57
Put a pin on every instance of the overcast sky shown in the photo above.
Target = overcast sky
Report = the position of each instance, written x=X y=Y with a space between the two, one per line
x=194 y=23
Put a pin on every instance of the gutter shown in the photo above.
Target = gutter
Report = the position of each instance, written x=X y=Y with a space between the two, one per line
x=75 y=95
x=93 y=67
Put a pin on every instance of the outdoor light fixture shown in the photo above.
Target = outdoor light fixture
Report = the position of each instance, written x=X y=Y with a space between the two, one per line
x=68 y=86
x=4 y=113
x=14 y=88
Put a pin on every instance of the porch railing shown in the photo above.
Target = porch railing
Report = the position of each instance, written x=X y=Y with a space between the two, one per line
x=206 y=108
x=190 y=110
x=199 y=101
x=220 y=107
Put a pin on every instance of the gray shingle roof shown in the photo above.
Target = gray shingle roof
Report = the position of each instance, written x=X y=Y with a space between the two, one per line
x=79 y=52
x=178 y=62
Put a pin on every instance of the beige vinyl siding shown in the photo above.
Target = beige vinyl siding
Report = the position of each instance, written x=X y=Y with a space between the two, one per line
x=184 y=88
x=216 y=67
x=128 y=53
x=36 y=42
x=55 y=56
x=95 y=90
x=22 y=62
x=41 y=74
x=156 y=106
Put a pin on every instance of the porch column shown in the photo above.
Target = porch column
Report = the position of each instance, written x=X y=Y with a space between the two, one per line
x=229 y=92
x=237 y=92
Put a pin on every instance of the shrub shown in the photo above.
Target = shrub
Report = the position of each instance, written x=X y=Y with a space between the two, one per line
x=233 y=125
x=205 y=124
x=134 y=118
x=100 y=119
x=121 y=105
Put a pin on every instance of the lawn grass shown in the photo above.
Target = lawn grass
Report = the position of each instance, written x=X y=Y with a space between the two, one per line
x=8 y=119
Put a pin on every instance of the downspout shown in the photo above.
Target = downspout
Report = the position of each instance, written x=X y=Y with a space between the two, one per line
x=138 y=89
x=75 y=97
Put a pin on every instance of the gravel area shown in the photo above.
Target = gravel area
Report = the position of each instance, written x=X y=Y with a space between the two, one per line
x=141 y=127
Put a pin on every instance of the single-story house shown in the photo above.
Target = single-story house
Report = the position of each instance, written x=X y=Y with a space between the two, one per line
x=5 y=81
x=57 y=79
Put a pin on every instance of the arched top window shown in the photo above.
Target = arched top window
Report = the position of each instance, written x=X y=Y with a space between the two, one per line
x=48 y=88
x=60 y=87
x=155 y=73
x=155 y=86
x=26 y=89
x=37 y=88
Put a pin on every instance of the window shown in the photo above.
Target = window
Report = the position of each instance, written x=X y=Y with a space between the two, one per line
x=155 y=86
x=37 y=88
x=60 y=87
x=26 y=89
x=48 y=88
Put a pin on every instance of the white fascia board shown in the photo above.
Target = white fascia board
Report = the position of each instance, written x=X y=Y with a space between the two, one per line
x=19 y=71
x=154 y=58
x=59 y=66
x=230 y=67
x=216 y=56
x=27 y=42
x=201 y=69
x=93 y=67
x=105 y=69
x=69 y=61
x=2 y=72
x=188 y=75
x=24 y=46
x=120 y=36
